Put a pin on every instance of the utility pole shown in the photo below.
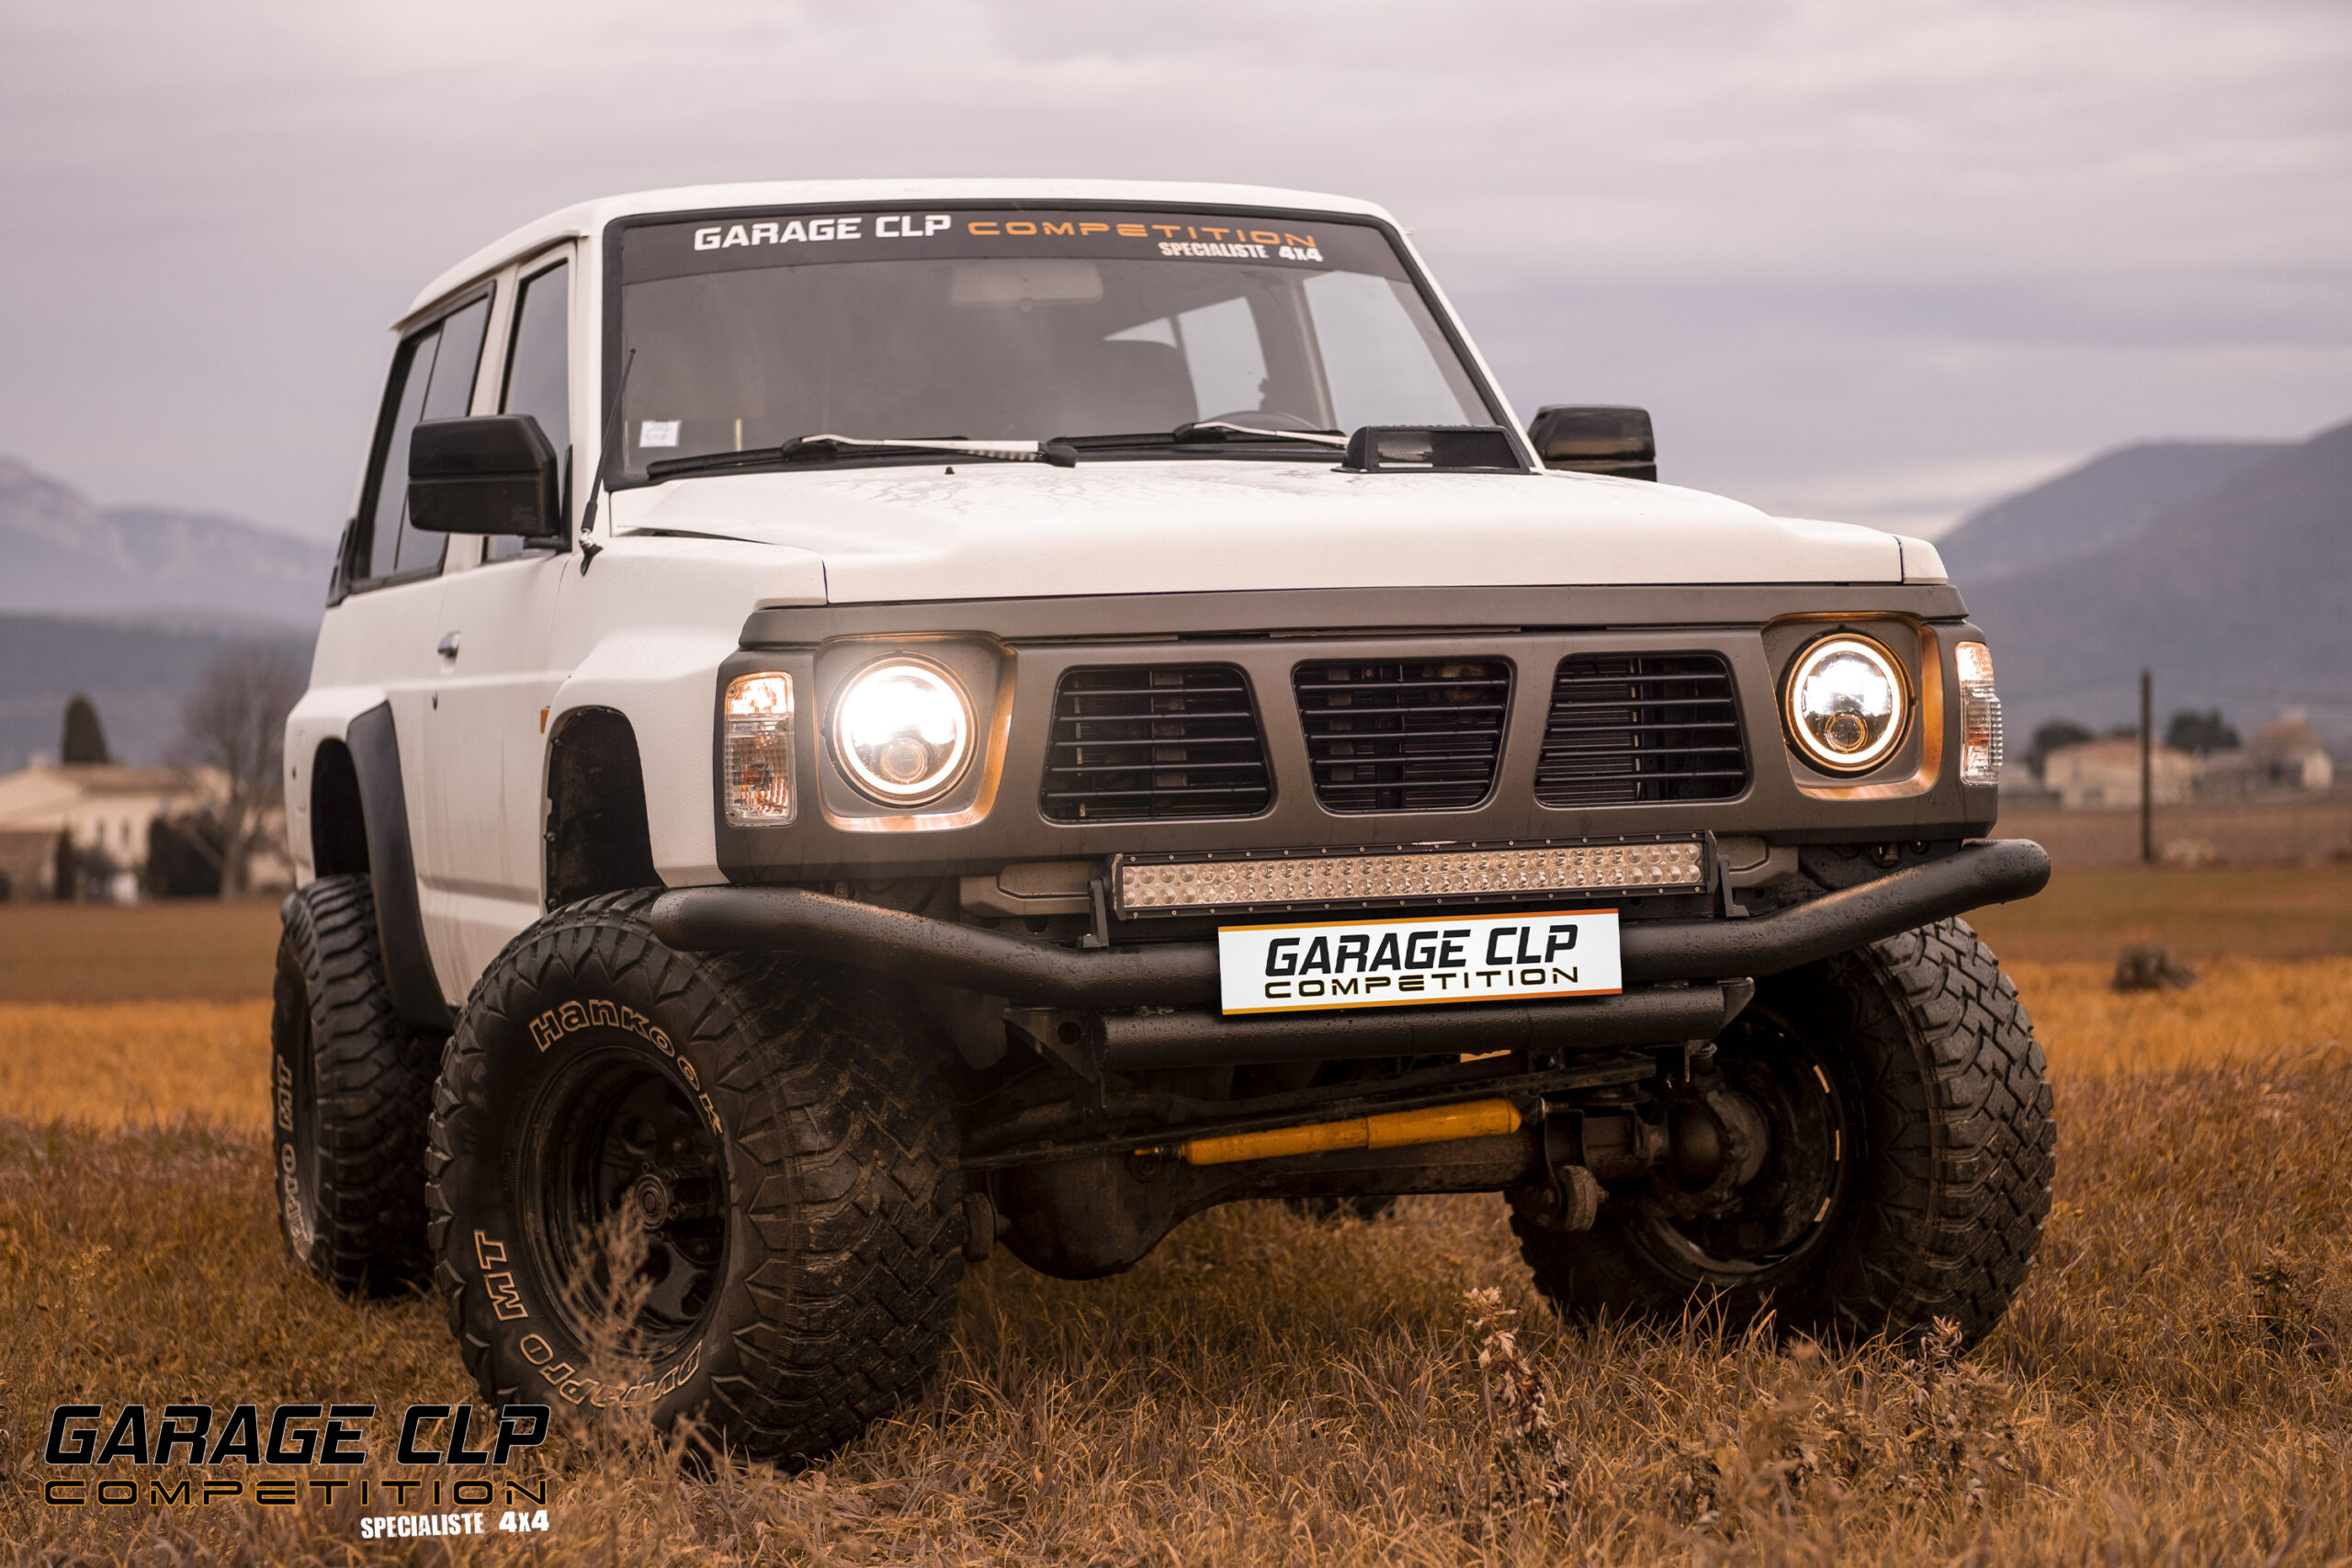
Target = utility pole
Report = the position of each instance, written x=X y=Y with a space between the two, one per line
x=2147 y=769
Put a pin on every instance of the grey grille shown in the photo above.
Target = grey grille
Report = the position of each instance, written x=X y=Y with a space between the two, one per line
x=1409 y=735
x=1138 y=742
x=1629 y=728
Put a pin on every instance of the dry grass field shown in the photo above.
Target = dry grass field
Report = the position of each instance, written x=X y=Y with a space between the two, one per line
x=2174 y=1386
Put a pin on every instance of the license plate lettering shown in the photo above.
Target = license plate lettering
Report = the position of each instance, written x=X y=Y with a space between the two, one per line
x=1318 y=966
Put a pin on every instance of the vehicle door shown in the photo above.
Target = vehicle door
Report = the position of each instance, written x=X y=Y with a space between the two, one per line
x=486 y=721
x=379 y=638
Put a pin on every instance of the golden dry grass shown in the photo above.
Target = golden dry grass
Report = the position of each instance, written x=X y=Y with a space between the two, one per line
x=2240 y=1008
x=2175 y=1386
x=112 y=1064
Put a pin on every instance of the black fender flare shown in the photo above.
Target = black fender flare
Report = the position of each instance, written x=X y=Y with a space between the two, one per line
x=399 y=921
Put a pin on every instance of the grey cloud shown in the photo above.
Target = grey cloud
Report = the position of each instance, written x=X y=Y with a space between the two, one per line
x=1848 y=251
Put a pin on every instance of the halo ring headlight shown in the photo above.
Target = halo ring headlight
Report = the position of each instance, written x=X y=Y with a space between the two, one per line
x=902 y=731
x=1847 y=703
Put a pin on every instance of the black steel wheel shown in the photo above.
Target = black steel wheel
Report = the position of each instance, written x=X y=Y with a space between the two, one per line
x=1871 y=1150
x=624 y=1166
x=716 y=1189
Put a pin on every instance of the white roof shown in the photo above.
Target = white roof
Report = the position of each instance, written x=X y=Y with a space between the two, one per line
x=585 y=218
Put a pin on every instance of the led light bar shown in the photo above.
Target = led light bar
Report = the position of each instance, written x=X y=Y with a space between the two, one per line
x=1168 y=885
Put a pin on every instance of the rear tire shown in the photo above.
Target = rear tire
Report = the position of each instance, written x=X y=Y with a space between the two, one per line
x=1910 y=1170
x=350 y=1088
x=771 y=1139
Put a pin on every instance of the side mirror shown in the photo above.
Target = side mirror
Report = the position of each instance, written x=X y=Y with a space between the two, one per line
x=1595 y=440
x=491 y=474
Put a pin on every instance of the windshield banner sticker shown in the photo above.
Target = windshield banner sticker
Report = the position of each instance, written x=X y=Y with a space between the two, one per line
x=670 y=249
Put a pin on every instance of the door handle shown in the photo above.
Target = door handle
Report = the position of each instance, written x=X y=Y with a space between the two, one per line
x=448 y=646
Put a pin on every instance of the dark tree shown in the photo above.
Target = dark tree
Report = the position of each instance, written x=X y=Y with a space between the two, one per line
x=234 y=722
x=2202 y=733
x=85 y=738
x=184 y=857
x=2049 y=738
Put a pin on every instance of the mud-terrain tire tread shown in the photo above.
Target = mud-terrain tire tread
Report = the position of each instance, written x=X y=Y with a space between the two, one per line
x=1947 y=1225
x=860 y=1283
x=372 y=1075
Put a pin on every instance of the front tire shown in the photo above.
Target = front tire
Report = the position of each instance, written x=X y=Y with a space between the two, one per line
x=1907 y=1147
x=768 y=1148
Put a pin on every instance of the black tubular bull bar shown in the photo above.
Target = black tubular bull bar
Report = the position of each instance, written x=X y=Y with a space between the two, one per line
x=1184 y=973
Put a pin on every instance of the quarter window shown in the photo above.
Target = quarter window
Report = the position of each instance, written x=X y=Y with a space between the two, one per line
x=538 y=380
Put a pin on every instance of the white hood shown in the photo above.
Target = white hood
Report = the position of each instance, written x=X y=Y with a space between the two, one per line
x=994 y=530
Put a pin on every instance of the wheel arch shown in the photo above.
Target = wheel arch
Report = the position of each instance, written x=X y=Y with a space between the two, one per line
x=338 y=812
x=373 y=748
x=599 y=835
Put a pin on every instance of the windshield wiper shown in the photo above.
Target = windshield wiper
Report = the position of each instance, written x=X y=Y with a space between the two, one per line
x=831 y=448
x=1205 y=432
x=1225 y=430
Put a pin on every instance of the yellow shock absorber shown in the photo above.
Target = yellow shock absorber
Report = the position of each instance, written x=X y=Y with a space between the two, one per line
x=1395 y=1129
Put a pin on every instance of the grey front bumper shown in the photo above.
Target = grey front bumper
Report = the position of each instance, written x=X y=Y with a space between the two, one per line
x=1184 y=973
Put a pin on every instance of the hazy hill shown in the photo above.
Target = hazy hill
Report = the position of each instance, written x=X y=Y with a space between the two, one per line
x=58 y=554
x=137 y=672
x=2240 y=598
x=2110 y=499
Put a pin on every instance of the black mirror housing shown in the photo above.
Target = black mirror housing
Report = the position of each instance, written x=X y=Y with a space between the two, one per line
x=1595 y=440
x=495 y=474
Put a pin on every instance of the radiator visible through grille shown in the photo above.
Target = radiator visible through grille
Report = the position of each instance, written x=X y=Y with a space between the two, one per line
x=1410 y=735
x=1138 y=742
x=1637 y=727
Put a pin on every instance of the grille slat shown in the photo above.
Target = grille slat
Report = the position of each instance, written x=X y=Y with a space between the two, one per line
x=1136 y=743
x=1627 y=729
x=1409 y=735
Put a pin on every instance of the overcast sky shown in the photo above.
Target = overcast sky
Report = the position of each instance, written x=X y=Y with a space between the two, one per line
x=1880 y=260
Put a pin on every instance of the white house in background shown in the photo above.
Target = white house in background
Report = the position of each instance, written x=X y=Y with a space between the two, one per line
x=2288 y=755
x=2285 y=757
x=2107 y=772
x=96 y=807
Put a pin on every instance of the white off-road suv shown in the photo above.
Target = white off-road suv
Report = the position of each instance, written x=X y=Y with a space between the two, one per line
x=858 y=723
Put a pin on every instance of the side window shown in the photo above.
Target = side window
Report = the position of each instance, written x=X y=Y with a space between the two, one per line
x=433 y=378
x=538 y=380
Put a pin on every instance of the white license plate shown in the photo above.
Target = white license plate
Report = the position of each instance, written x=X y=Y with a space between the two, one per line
x=1455 y=958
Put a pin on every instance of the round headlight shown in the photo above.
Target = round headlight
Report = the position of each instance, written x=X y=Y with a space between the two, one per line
x=1845 y=704
x=902 y=731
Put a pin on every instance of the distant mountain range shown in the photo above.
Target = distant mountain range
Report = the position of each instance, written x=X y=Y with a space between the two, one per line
x=2235 y=588
x=126 y=605
x=2226 y=566
x=2112 y=498
x=62 y=555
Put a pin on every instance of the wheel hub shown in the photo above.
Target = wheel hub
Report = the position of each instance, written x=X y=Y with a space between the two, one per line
x=1751 y=1153
x=649 y=1195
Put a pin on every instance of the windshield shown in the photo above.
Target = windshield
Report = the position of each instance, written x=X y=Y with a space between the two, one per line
x=1019 y=324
